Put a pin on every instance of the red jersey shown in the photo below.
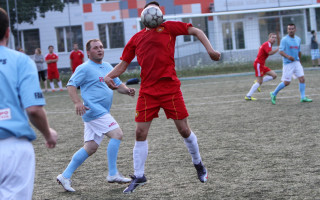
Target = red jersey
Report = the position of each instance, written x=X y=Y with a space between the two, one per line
x=155 y=51
x=263 y=53
x=77 y=58
x=52 y=66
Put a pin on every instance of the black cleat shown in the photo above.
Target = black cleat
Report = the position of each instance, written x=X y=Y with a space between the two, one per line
x=136 y=182
x=202 y=172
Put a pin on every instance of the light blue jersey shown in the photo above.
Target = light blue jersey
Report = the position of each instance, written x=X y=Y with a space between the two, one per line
x=290 y=46
x=94 y=91
x=19 y=89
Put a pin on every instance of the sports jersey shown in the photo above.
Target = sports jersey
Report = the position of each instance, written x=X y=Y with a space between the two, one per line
x=19 y=90
x=94 y=91
x=263 y=53
x=290 y=46
x=52 y=66
x=155 y=52
x=77 y=58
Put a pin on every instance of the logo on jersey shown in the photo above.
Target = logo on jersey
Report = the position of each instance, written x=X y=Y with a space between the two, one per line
x=137 y=114
x=38 y=95
x=294 y=47
x=5 y=114
x=112 y=124
x=160 y=29
x=3 y=61
x=101 y=79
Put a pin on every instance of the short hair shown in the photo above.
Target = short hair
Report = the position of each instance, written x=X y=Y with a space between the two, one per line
x=271 y=34
x=312 y=32
x=88 y=45
x=39 y=50
x=152 y=2
x=292 y=25
x=4 y=23
x=50 y=46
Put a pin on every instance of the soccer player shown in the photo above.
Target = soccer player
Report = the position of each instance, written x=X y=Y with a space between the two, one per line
x=290 y=50
x=76 y=57
x=21 y=98
x=53 y=73
x=160 y=88
x=95 y=112
x=261 y=70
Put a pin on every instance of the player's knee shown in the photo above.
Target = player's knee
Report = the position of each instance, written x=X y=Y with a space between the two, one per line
x=274 y=76
x=286 y=83
x=184 y=131
x=141 y=134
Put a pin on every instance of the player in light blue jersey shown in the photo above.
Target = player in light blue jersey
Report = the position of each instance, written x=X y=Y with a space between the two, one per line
x=21 y=99
x=290 y=50
x=95 y=112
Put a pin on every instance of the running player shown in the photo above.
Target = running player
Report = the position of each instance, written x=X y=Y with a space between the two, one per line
x=76 y=57
x=53 y=73
x=21 y=98
x=290 y=50
x=95 y=112
x=160 y=88
x=261 y=70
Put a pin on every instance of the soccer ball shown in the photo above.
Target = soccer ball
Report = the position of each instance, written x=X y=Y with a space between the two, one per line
x=151 y=17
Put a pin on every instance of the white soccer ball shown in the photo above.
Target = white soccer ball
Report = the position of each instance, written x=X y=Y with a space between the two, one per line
x=151 y=17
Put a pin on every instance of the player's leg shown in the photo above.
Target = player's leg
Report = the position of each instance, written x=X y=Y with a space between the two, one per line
x=287 y=72
x=253 y=88
x=299 y=72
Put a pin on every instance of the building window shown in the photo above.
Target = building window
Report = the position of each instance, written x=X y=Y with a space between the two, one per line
x=111 y=35
x=266 y=26
x=101 y=1
x=317 y=10
x=67 y=36
x=198 y=22
x=239 y=35
x=299 y=22
x=71 y=1
x=30 y=40
x=227 y=36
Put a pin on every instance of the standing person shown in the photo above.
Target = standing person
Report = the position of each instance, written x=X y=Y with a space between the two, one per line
x=76 y=57
x=53 y=72
x=21 y=98
x=160 y=88
x=261 y=70
x=290 y=51
x=315 y=54
x=42 y=70
x=95 y=112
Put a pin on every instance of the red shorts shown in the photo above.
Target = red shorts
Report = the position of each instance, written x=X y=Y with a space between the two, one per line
x=261 y=70
x=148 y=106
x=53 y=74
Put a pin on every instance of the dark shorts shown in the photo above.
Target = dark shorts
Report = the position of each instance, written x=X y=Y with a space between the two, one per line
x=42 y=75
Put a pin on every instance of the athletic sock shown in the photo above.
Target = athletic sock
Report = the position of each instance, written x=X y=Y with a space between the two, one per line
x=52 y=85
x=278 y=88
x=78 y=158
x=302 y=87
x=253 y=89
x=60 y=84
x=112 y=153
x=193 y=148
x=267 y=78
x=140 y=154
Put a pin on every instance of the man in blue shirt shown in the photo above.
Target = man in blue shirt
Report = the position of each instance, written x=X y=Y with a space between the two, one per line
x=290 y=50
x=19 y=91
x=95 y=112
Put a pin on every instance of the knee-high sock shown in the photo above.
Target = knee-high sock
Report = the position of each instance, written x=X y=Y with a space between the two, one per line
x=112 y=153
x=193 y=148
x=140 y=154
x=52 y=85
x=302 y=87
x=278 y=88
x=267 y=78
x=78 y=158
x=60 y=84
x=253 y=89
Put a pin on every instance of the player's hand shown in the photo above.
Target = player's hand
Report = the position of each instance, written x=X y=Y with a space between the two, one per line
x=131 y=92
x=109 y=81
x=215 y=55
x=51 y=140
x=80 y=108
x=291 y=58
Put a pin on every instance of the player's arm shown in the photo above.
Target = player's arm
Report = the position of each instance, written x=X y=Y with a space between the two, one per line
x=214 y=55
x=273 y=51
x=71 y=64
x=117 y=71
x=80 y=108
x=123 y=89
x=299 y=55
x=282 y=53
x=38 y=118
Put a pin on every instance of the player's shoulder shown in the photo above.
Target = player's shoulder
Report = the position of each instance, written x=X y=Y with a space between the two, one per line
x=107 y=65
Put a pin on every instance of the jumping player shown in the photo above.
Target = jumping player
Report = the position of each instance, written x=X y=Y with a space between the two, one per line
x=261 y=70
x=21 y=98
x=76 y=57
x=160 y=88
x=290 y=50
x=53 y=73
x=95 y=112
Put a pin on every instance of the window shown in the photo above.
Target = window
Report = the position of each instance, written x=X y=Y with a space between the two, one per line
x=198 y=22
x=111 y=35
x=266 y=26
x=239 y=35
x=227 y=36
x=318 y=18
x=233 y=35
x=67 y=36
x=308 y=20
x=29 y=40
x=101 y=1
x=299 y=22
x=71 y=1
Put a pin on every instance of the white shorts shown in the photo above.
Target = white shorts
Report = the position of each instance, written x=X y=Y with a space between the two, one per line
x=97 y=128
x=288 y=70
x=17 y=168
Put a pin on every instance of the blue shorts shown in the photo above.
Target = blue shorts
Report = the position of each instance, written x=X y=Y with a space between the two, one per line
x=315 y=54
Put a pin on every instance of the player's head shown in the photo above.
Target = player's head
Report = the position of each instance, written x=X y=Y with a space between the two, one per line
x=95 y=50
x=4 y=25
x=20 y=49
x=272 y=38
x=75 y=46
x=37 y=51
x=152 y=3
x=291 y=29
x=50 y=47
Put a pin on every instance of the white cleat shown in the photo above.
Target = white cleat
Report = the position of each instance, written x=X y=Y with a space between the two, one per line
x=65 y=182
x=118 y=178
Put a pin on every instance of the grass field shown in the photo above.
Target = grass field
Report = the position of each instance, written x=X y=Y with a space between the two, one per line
x=252 y=150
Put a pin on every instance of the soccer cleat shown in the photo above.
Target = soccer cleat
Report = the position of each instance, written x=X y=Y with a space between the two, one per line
x=306 y=100
x=65 y=182
x=250 y=98
x=135 y=182
x=259 y=89
x=273 y=98
x=61 y=90
x=202 y=172
x=118 y=178
x=53 y=90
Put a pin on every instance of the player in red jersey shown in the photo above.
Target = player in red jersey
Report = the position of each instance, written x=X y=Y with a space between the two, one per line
x=265 y=51
x=53 y=73
x=76 y=57
x=160 y=88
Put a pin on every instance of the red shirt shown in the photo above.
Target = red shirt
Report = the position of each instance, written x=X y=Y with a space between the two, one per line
x=52 y=66
x=155 y=51
x=263 y=53
x=77 y=58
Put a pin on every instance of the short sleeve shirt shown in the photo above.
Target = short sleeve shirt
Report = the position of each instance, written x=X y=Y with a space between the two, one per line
x=53 y=56
x=290 y=46
x=263 y=53
x=76 y=57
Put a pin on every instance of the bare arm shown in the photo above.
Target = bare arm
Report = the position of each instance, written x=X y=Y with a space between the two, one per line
x=80 y=108
x=123 y=89
x=38 y=118
x=117 y=71
x=282 y=53
x=214 y=55
x=273 y=51
x=71 y=64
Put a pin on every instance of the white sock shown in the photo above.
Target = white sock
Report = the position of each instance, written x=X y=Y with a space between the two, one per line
x=267 y=78
x=253 y=89
x=192 y=144
x=60 y=84
x=140 y=154
x=52 y=85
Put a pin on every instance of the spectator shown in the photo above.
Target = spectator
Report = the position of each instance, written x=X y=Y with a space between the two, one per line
x=42 y=70
x=76 y=57
x=315 y=54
